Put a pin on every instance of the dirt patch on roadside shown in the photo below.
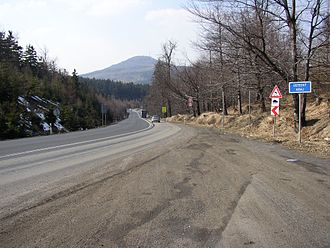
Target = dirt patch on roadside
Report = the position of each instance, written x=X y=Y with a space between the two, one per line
x=315 y=136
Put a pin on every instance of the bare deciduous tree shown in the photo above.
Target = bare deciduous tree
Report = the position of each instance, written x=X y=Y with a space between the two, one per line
x=254 y=25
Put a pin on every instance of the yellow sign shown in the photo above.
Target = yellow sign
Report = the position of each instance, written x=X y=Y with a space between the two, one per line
x=163 y=109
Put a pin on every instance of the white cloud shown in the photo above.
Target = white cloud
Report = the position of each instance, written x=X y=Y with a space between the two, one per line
x=110 y=8
x=102 y=7
x=166 y=16
x=34 y=3
x=175 y=25
x=81 y=32
x=22 y=15
x=8 y=7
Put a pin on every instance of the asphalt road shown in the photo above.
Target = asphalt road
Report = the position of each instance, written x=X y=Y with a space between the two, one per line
x=168 y=186
x=12 y=147
x=31 y=168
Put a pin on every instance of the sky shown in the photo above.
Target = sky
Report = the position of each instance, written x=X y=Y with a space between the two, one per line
x=89 y=35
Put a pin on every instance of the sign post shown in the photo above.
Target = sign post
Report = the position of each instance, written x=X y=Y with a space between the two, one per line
x=190 y=106
x=250 y=109
x=164 y=111
x=300 y=88
x=190 y=101
x=275 y=96
x=223 y=108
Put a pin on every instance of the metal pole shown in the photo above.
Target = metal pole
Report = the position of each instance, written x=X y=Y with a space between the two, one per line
x=102 y=114
x=210 y=78
x=223 y=108
x=299 y=116
x=250 y=107
x=274 y=126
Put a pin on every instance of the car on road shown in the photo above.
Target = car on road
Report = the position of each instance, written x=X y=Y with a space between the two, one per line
x=155 y=118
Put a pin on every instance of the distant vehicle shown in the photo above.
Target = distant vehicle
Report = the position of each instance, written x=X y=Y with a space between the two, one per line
x=144 y=114
x=155 y=118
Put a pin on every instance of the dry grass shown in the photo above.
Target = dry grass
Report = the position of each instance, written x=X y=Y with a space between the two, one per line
x=315 y=136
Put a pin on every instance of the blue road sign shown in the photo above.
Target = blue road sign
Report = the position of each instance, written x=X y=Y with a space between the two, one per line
x=300 y=87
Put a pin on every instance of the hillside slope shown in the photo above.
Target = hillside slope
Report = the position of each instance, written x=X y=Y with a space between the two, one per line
x=137 y=69
x=315 y=136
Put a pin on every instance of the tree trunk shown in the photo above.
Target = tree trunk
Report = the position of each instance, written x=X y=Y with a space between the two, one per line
x=239 y=101
x=260 y=94
x=239 y=96
x=261 y=98
x=209 y=106
x=224 y=102
x=203 y=106
x=198 y=106
x=303 y=110
x=294 y=60
x=169 y=106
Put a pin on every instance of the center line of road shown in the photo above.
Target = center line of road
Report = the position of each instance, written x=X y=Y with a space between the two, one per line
x=73 y=144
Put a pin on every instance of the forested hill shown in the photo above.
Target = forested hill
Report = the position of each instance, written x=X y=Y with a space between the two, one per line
x=116 y=90
x=32 y=87
x=138 y=69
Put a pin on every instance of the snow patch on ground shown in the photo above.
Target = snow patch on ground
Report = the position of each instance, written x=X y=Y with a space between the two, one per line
x=39 y=107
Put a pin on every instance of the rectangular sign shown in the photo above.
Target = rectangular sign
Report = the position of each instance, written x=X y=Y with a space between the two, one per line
x=190 y=101
x=300 y=87
x=163 y=109
x=275 y=102
x=275 y=111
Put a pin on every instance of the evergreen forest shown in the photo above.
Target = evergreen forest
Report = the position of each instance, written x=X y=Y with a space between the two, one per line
x=118 y=90
x=32 y=87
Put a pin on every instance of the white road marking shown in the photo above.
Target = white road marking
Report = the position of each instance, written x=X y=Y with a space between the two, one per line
x=77 y=143
x=292 y=160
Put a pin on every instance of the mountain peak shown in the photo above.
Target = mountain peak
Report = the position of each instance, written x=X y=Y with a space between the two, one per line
x=138 y=69
x=139 y=58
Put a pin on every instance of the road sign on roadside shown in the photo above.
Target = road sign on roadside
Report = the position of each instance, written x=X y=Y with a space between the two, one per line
x=275 y=106
x=300 y=87
x=275 y=111
x=275 y=102
x=190 y=101
x=163 y=109
x=276 y=93
x=275 y=96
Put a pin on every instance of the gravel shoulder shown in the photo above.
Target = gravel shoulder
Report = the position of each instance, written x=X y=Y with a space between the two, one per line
x=198 y=189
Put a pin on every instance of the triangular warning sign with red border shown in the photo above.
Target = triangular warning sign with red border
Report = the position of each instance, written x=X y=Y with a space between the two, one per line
x=276 y=93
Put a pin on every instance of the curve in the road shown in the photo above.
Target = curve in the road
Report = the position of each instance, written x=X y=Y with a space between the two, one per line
x=134 y=124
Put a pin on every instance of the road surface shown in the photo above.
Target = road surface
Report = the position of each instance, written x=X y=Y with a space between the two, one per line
x=130 y=125
x=168 y=186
